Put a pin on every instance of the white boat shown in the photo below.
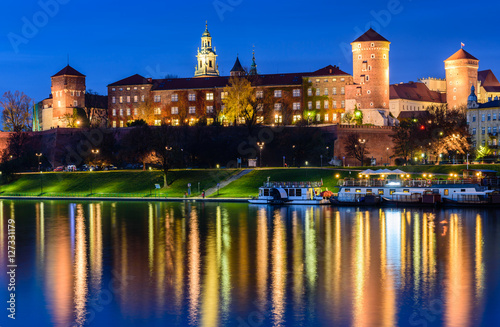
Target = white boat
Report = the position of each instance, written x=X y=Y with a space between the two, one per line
x=285 y=193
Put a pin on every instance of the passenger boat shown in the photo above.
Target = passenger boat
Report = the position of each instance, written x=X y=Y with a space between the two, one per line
x=409 y=192
x=287 y=193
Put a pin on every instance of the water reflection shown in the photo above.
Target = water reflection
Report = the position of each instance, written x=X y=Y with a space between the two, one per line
x=226 y=265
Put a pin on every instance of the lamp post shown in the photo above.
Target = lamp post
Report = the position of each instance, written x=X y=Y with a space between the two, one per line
x=41 y=183
x=261 y=146
x=388 y=157
x=362 y=151
x=321 y=158
x=150 y=181
x=293 y=150
x=467 y=161
x=39 y=155
x=94 y=152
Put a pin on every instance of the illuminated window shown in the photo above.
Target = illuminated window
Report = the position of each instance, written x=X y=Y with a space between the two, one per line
x=342 y=79
x=192 y=110
x=259 y=94
x=326 y=91
x=157 y=122
x=175 y=97
x=277 y=93
x=318 y=104
x=114 y=112
x=277 y=106
x=334 y=117
x=143 y=98
x=260 y=107
x=296 y=106
x=192 y=97
x=334 y=103
x=135 y=111
x=175 y=110
x=121 y=99
x=128 y=111
x=128 y=98
x=210 y=109
x=310 y=91
x=157 y=111
x=296 y=118
x=380 y=192
x=325 y=104
x=223 y=95
x=326 y=117
x=296 y=92
x=342 y=104
x=342 y=90
x=136 y=98
x=121 y=112
x=75 y=103
x=157 y=98
x=278 y=119
x=309 y=105
x=175 y=122
x=114 y=123
x=121 y=123
x=210 y=96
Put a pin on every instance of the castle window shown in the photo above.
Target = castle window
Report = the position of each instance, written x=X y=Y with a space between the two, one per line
x=309 y=105
x=72 y=93
x=192 y=97
x=367 y=77
x=135 y=111
x=372 y=56
x=157 y=111
x=483 y=130
x=296 y=106
x=385 y=56
x=326 y=104
x=342 y=104
x=58 y=103
x=494 y=116
x=192 y=110
x=157 y=98
x=334 y=91
x=277 y=106
x=342 y=90
x=128 y=88
x=128 y=111
x=318 y=104
x=136 y=98
x=78 y=93
x=277 y=93
x=210 y=109
x=135 y=88
x=114 y=123
x=121 y=112
x=113 y=100
x=359 y=45
x=369 y=67
x=473 y=131
x=175 y=110
x=318 y=92
x=75 y=103
x=326 y=91
x=175 y=97
x=359 y=57
x=128 y=98
x=296 y=92
x=201 y=64
x=474 y=118
x=371 y=104
x=143 y=98
x=310 y=92
x=455 y=89
x=368 y=92
x=210 y=63
x=121 y=89
x=326 y=81
x=121 y=99
x=326 y=117
x=114 y=112
x=342 y=79
x=334 y=104
x=489 y=117
x=489 y=130
x=373 y=44
x=113 y=89
x=224 y=95
x=210 y=96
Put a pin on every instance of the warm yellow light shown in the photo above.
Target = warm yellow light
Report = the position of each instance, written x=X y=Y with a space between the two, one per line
x=402 y=175
x=425 y=175
x=337 y=176
x=430 y=176
x=407 y=176
x=383 y=175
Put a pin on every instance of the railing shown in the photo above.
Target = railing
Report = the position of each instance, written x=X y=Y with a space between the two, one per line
x=82 y=195
x=292 y=184
x=401 y=183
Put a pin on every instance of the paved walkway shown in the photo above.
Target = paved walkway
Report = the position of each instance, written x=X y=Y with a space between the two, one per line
x=228 y=181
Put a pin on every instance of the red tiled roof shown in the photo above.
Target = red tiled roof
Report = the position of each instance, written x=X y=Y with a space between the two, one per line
x=68 y=70
x=415 y=92
x=132 y=80
x=222 y=81
x=371 y=35
x=461 y=54
x=487 y=78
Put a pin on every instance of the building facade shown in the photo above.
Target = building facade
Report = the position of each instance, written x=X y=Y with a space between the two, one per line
x=484 y=121
x=405 y=97
x=461 y=74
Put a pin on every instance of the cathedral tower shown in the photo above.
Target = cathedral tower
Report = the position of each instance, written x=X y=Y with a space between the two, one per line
x=461 y=74
x=207 y=58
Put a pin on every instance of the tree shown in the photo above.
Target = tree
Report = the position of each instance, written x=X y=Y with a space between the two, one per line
x=405 y=139
x=16 y=111
x=356 y=147
x=358 y=115
x=95 y=110
x=240 y=101
x=147 y=110
x=483 y=151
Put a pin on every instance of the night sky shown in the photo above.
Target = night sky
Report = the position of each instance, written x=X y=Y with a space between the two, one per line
x=110 y=40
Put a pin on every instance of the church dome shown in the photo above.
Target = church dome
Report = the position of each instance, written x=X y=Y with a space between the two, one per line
x=472 y=96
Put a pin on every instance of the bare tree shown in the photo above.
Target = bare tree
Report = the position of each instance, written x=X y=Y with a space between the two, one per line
x=16 y=111
x=96 y=109
x=356 y=147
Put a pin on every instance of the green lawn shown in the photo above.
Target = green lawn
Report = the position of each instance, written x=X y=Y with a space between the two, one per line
x=249 y=184
x=139 y=183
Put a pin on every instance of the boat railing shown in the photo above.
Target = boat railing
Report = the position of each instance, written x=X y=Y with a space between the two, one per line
x=401 y=182
x=292 y=184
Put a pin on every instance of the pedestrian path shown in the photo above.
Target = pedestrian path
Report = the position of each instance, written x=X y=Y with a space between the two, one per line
x=226 y=182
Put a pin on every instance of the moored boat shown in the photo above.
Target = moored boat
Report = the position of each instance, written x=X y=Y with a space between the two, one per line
x=288 y=193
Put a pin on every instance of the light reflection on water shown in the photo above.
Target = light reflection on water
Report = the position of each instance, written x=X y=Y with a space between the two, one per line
x=240 y=265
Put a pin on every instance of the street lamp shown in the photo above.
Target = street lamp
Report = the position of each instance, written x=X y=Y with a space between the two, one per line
x=261 y=146
x=39 y=155
x=388 y=157
x=293 y=148
x=41 y=183
x=321 y=158
x=362 y=151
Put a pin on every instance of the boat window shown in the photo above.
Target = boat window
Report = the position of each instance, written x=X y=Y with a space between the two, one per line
x=462 y=190
x=406 y=191
x=266 y=192
x=358 y=190
x=381 y=192
x=369 y=191
x=291 y=192
x=446 y=192
x=298 y=192
x=347 y=190
x=392 y=191
x=286 y=191
x=435 y=191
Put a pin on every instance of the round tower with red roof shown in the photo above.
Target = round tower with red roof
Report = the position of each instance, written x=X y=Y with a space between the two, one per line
x=461 y=74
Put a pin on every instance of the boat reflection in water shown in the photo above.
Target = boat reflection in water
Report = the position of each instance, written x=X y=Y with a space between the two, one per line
x=126 y=264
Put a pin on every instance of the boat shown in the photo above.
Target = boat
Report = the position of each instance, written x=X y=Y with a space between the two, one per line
x=414 y=192
x=290 y=193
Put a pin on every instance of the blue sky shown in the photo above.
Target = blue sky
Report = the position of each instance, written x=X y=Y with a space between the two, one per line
x=109 y=40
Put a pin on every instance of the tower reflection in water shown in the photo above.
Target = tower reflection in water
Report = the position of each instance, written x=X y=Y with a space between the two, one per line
x=216 y=265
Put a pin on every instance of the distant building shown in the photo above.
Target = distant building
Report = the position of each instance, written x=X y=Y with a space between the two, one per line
x=484 y=121
x=413 y=97
x=461 y=74
x=434 y=84
x=207 y=58
x=488 y=87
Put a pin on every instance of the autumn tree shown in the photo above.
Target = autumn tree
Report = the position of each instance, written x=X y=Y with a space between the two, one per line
x=240 y=101
x=356 y=147
x=16 y=111
x=147 y=108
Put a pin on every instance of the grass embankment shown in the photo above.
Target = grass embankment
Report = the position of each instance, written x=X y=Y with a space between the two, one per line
x=249 y=184
x=115 y=183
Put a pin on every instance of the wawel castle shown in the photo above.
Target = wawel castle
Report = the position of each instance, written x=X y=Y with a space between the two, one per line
x=319 y=97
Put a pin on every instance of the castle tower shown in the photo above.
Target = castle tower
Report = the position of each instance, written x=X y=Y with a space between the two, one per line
x=206 y=58
x=237 y=69
x=68 y=92
x=461 y=74
x=370 y=92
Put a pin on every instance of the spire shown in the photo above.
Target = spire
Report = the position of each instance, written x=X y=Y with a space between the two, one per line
x=253 y=68
x=206 y=33
x=237 y=69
